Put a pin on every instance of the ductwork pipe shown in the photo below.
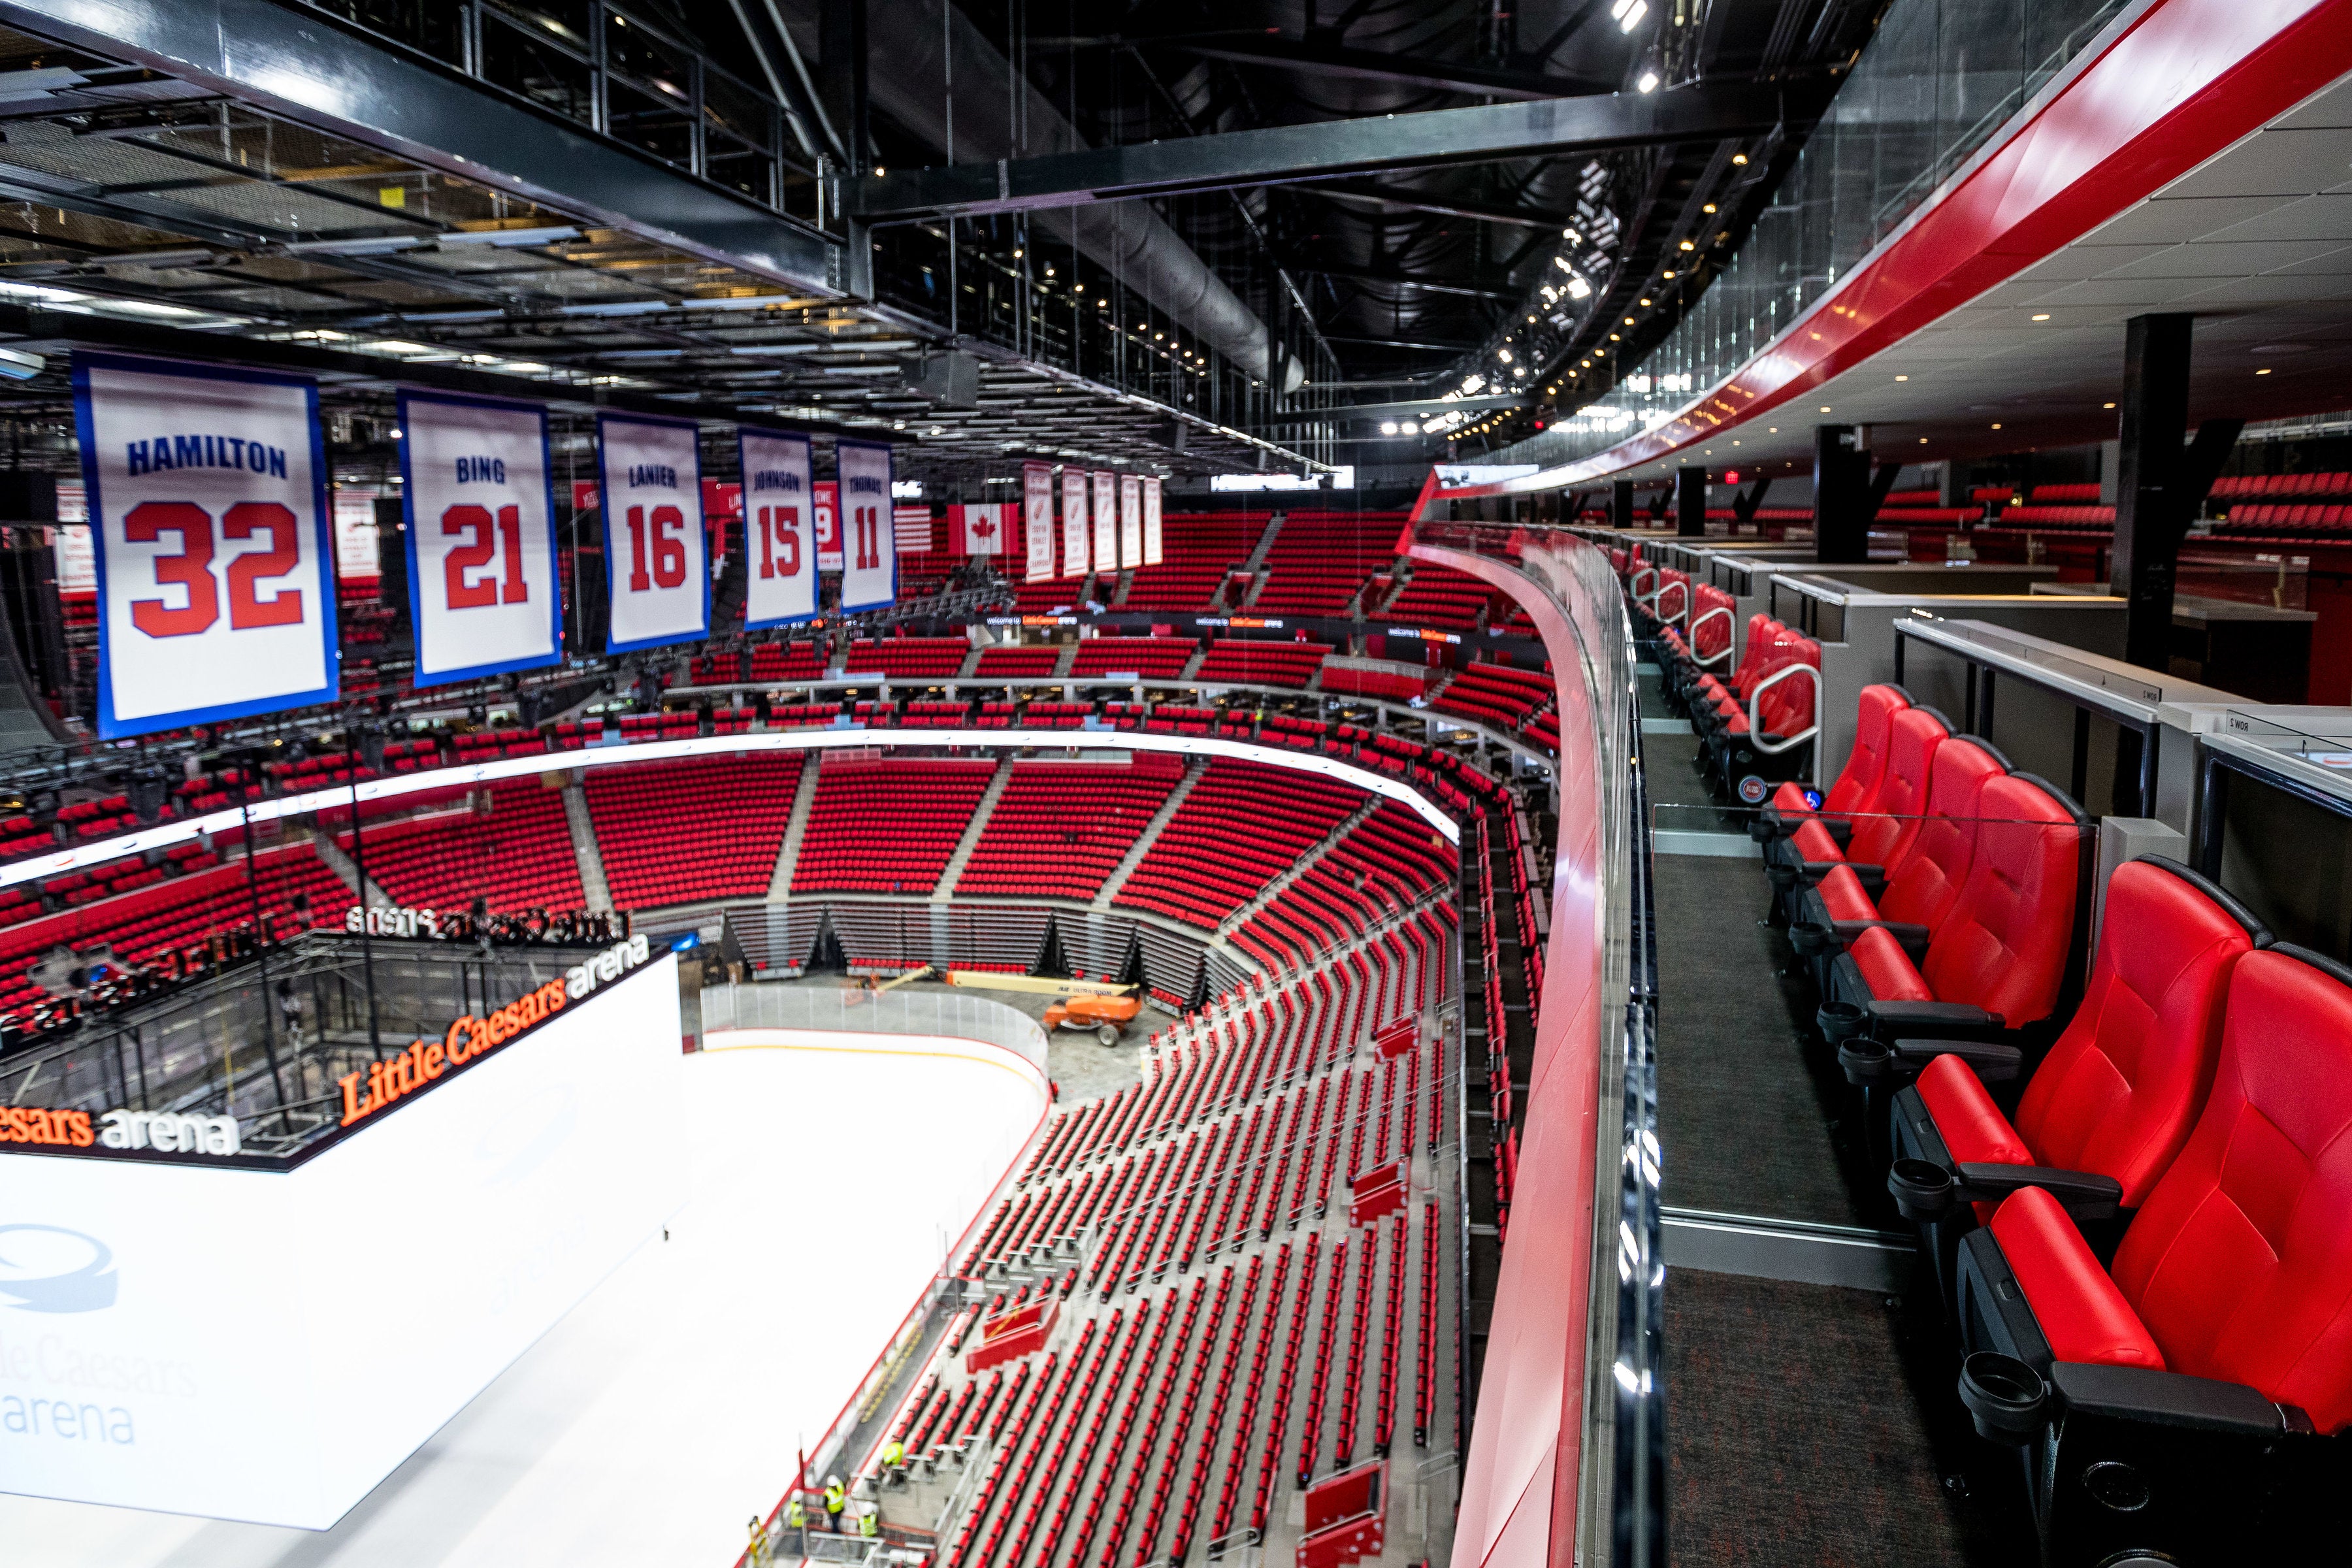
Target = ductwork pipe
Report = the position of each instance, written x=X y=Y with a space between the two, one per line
x=1134 y=243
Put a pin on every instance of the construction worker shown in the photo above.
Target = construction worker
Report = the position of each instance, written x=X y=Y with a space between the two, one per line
x=870 y=1521
x=893 y=1454
x=836 y=1498
x=795 y=1517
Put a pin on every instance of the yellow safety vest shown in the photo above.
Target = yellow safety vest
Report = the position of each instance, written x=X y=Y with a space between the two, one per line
x=834 y=1497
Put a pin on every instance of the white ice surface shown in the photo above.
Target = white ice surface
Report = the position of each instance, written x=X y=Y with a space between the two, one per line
x=651 y=1423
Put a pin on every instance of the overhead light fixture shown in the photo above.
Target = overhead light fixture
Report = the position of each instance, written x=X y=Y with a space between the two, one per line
x=1578 y=289
x=1388 y=427
x=1628 y=15
x=1410 y=428
x=1647 y=82
x=1902 y=378
x=2265 y=371
x=1687 y=245
x=18 y=366
x=1739 y=158
x=2042 y=317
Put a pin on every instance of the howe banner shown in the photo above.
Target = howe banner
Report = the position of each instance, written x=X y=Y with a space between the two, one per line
x=207 y=502
x=482 y=584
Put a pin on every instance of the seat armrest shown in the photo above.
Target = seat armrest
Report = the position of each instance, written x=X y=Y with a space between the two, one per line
x=2172 y=1399
x=1913 y=938
x=1898 y=1019
x=2086 y=1193
x=1991 y=1061
x=1873 y=878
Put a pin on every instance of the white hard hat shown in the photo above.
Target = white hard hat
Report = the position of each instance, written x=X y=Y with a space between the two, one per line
x=833 y=1480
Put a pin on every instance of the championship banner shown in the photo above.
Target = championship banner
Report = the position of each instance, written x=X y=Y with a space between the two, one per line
x=215 y=552
x=1131 y=520
x=481 y=563
x=1075 y=532
x=869 y=571
x=1151 y=540
x=779 y=529
x=1106 y=523
x=656 y=557
x=828 y=525
x=1038 y=521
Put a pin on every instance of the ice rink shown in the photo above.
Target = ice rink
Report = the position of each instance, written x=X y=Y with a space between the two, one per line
x=830 y=1171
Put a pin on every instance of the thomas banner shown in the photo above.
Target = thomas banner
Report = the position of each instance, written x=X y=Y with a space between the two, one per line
x=869 y=569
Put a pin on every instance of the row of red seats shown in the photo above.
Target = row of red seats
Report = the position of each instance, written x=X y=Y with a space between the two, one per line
x=516 y=855
x=691 y=831
x=1149 y=658
x=886 y=826
x=1261 y=662
x=2153 y=1236
x=1059 y=829
x=1221 y=847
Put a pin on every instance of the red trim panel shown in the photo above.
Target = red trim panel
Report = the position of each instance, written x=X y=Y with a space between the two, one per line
x=2187 y=80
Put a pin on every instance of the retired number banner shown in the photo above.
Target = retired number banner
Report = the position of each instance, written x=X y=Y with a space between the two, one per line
x=1075 y=532
x=779 y=528
x=480 y=518
x=1037 y=521
x=1106 y=523
x=1151 y=540
x=655 y=553
x=869 y=566
x=1131 y=520
x=208 y=500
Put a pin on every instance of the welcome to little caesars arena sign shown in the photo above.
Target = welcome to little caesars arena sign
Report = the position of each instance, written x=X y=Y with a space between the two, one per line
x=470 y=1039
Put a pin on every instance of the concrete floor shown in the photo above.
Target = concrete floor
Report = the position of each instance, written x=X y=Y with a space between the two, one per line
x=1083 y=1067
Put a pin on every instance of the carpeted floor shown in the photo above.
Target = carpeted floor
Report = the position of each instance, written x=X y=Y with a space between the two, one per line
x=1750 y=1120
x=1796 y=1434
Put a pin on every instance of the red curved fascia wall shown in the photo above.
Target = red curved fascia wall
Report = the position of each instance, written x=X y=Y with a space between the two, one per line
x=1519 y=1479
x=2184 y=82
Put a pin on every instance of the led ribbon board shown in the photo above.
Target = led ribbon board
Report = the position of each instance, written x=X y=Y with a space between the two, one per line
x=1038 y=521
x=869 y=569
x=1074 y=523
x=482 y=587
x=779 y=528
x=209 y=506
x=657 y=558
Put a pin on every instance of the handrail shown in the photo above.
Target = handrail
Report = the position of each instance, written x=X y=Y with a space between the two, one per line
x=1658 y=607
x=1756 y=723
x=1633 y=585
x=1721 y=654
x=2087 y=689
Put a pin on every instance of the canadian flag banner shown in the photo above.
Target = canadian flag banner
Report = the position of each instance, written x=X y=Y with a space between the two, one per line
x=913 y=526
x=977 y=529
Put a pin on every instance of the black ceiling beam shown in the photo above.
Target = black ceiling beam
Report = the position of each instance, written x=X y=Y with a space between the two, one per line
x=1316 y=57
x=1325 y=150
x=1407 y=200
x=1431 y=285
x=1408 y=408
x=302 y=64
x=56 y=332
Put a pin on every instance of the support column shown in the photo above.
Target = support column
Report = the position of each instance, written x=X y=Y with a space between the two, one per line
x=1621 y=503
x=1844 y=502
x=1690 y=503
x=2160 y=484
x=842 y=79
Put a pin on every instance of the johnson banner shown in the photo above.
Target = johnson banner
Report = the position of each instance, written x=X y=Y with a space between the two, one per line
x=480 y=518
x=655 y=554
x=780 y=528
x=207 y=501
x=1131 y=520
x=869 y=571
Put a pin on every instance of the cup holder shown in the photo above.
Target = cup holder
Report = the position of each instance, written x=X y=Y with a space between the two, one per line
x=1841 y=1021
x=2007 y=1399
x=1763 y=829
x=1922 y=1189
x=1866 y=1062
x=1811 y=941
x=1783 y=878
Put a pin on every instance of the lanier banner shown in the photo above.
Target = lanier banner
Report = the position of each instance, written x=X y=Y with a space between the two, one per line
x=779 y=528
x=655 y=554
x=208 y=503
x=481 y=536
x=1038 y=521
x=1131 y=520
x=1106 y=523
x=869 y=571
x=1151 y=540
x=1074 y=532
